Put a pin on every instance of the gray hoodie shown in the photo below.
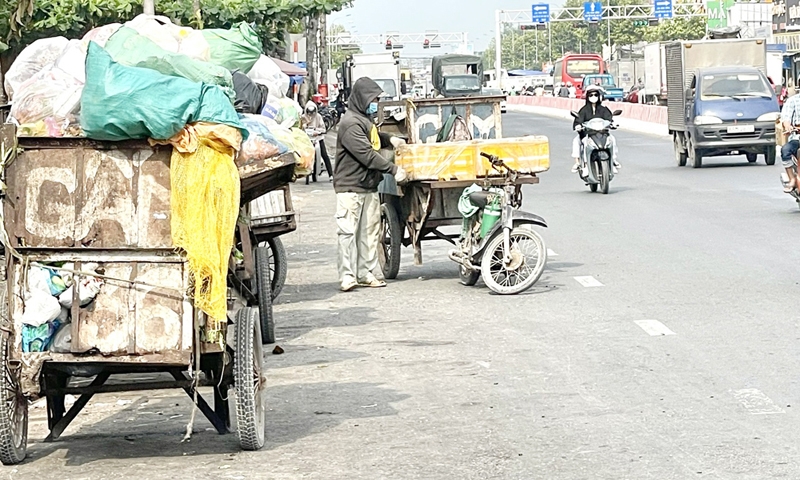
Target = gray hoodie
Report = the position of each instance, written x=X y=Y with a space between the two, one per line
x=359 y=167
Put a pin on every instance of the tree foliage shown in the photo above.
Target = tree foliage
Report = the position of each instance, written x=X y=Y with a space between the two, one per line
x=337 y=54
x=519 y=47
x=23 y=21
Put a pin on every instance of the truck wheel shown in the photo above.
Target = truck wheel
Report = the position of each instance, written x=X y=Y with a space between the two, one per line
x=769 y=155
x=693 y=155
x=680 y=156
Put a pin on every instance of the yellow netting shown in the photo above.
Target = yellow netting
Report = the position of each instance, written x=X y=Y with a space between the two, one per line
x=205 y=205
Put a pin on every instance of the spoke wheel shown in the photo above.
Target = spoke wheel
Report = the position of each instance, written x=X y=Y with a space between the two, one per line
x=391 y=235
x=528 y=258
x=14 y=408
x=278 y=264
x=249 y=381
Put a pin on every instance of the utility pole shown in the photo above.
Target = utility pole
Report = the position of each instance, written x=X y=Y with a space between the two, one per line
x=149 y=7
x=497 y=50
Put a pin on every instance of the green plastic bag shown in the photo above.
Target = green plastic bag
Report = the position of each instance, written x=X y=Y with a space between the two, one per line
x=120 y=103
x=129 y=48
x=234 y=49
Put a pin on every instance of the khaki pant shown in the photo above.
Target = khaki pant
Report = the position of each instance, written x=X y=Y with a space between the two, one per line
x=358 y=221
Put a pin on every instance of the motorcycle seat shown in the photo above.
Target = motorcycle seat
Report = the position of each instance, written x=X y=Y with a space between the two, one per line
x=479 y=199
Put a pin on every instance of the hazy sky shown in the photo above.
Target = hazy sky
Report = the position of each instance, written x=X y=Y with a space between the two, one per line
x=476 y=17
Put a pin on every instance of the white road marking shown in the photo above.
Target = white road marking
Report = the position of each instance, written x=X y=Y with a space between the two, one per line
x=654 y=328
x=588 y=281
x=551 y=253
x=755 y=402
x=484 y=364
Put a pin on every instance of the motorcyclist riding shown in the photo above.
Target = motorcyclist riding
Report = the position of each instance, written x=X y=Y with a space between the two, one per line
x=592 y=109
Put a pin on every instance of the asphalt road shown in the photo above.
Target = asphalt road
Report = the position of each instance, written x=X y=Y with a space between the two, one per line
x=427 y=379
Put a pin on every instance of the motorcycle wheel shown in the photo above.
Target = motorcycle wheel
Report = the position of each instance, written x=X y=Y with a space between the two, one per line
x=528 y=258
x=468 y=277
x=604 y=177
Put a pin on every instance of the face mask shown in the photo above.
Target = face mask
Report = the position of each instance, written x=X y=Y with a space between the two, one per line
x=593 y=99
x=372 y=109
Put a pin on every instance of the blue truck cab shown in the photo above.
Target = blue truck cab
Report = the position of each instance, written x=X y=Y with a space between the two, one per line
x=613 y=92
x=730 y=111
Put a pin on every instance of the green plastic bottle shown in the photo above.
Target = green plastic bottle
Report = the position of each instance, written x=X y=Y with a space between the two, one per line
x=491 y=214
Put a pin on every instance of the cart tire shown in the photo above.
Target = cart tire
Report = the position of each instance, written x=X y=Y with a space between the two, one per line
x=531 y=262
x=391 y=236
x=263 y=284
x=248 y=380
x=14 y=406
x=278 y=264
x=468 y=277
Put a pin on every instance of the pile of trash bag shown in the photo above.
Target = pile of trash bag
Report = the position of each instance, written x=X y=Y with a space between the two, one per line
x=46 y=316
x=149 y=78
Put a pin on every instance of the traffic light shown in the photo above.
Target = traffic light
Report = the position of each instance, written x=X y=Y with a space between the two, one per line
x=426 y=43
x=388 y=44
x=640 y=23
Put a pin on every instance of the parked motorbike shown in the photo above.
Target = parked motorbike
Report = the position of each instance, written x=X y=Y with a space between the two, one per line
x=596 y=153
x=330 y=116
x=496 y=242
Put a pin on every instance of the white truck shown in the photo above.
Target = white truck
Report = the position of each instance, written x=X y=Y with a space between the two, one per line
x=655 y=74
x=383 y=68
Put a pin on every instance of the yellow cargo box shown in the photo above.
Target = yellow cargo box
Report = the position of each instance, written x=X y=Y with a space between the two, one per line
x=462 y=160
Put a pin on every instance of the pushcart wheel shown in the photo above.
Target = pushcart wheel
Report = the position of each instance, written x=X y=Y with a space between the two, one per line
x=248 y=380
x=263 y=275
x=14 y=406
x=391 y=235
x=277 y=264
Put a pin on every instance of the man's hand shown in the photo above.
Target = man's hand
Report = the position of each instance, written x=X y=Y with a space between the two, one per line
x=400 y=176
x=397 y=142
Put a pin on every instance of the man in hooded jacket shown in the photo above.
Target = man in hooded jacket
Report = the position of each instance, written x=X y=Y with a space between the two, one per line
x=359 y=169
x=593 y=109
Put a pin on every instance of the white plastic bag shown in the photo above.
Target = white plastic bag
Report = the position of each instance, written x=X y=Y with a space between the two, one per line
x=37 y=280
x=51 y=93
x=73 y=60
x=267 y=72
x=100 y=35
x=31 y=60
x=171 y=37
x=88 y=288
x=40 y=308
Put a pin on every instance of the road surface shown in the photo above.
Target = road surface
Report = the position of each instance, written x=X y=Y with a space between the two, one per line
x=660 y=343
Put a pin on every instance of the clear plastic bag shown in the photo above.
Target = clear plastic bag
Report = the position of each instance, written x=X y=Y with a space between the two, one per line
x=31 y=61
x=52 y=93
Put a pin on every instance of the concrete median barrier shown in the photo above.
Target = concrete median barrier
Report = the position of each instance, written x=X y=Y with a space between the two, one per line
x=635 y=117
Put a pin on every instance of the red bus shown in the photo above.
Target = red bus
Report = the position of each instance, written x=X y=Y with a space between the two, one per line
x=573 y=67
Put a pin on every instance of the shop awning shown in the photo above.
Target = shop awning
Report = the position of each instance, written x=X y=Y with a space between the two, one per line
x=288 y=68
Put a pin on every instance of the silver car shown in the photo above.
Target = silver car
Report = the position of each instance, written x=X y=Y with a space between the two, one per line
x=492 y=92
